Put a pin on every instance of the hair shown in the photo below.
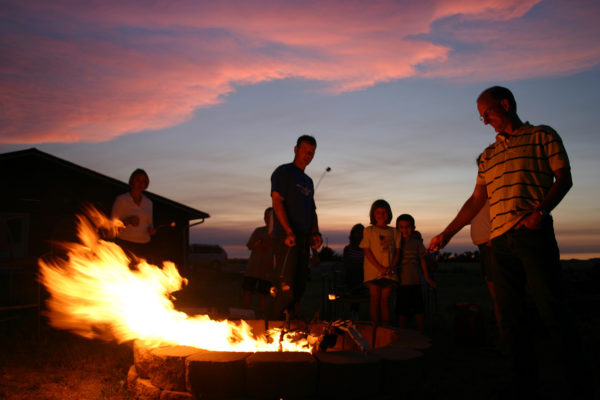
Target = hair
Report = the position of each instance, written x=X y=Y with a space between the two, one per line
x=139 y=171
x=406 y=217
x=353 y=232
x=267 y=210
x=500 y=93
x=308 y=139
x=380 y=204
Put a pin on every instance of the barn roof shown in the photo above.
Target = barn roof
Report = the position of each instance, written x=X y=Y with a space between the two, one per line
x=192 y=213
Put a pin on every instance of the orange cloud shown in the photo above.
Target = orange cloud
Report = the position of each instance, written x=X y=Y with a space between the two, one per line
x=92 y=71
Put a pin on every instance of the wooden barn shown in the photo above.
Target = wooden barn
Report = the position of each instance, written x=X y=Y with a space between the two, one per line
x=41 y=194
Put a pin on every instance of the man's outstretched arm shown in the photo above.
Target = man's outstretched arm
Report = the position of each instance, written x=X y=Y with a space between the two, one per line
x=316 y=239
x=464 y=217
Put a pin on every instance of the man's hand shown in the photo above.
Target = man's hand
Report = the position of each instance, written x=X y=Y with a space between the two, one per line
x=316 y=241
x=438 y=242
x=290 y=239
x=431 y=283
x=466 y=213
x=532 y=221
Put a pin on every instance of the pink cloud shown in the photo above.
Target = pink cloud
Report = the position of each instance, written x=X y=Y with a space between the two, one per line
x=91 y=71
x=564 y=38
x=491 y=10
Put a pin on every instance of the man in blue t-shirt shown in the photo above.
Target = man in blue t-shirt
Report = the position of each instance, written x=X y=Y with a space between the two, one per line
x=296 y=227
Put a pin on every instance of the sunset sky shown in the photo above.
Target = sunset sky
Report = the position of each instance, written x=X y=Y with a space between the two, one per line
x=209 y=97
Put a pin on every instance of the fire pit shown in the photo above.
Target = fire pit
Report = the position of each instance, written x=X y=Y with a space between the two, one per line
x=95 y=293
x=180 y=372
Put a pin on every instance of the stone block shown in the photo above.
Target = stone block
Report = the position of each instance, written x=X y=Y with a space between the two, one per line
x=143 y=389
x=132 y=377
x=216 y=375
x=141 y=358
x=348 y=375
x=286 y=375
x=166 y=368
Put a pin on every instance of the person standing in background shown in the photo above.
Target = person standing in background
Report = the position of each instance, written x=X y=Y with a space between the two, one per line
x=135 y=211
x=260 y=264
x=353 y=258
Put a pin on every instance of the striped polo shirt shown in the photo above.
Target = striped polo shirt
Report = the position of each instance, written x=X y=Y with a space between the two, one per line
x=517 y=171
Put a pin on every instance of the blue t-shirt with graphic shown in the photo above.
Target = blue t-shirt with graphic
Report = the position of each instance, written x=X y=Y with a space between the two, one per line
x=297 y=190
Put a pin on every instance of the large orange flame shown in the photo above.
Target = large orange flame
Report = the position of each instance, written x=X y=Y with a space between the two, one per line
x=95 y=294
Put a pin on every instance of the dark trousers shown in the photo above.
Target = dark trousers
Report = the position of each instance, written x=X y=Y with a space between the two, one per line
x=291 y=271
x=486 y=260
x=529 y=260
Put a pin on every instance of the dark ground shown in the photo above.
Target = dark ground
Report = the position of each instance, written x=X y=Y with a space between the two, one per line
x=462 y=363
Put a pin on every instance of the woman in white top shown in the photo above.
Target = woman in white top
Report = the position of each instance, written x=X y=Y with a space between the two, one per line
x=135 y=211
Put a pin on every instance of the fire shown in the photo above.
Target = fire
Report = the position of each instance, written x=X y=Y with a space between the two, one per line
x=95 y=294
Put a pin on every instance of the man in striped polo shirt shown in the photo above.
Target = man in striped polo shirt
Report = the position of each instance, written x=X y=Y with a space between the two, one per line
x=525 y=174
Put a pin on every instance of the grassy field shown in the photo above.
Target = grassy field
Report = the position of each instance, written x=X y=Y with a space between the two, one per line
x=61 y=365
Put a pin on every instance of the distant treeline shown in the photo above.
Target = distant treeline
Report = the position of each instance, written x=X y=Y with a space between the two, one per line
x=328 y=254
x=467 y=256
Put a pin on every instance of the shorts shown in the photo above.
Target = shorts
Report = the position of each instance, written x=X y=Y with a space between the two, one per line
x=252 y=284
x=409 y=300
x=383 y=282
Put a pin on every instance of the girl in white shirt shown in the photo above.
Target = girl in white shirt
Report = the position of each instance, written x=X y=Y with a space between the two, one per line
x=381 y=245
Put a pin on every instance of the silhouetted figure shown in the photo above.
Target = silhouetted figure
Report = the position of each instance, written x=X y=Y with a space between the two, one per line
x=525 y=174
x=296 y=227
x=353 y=258
x=135 y=211
x=381 y=245
x=260 y=263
